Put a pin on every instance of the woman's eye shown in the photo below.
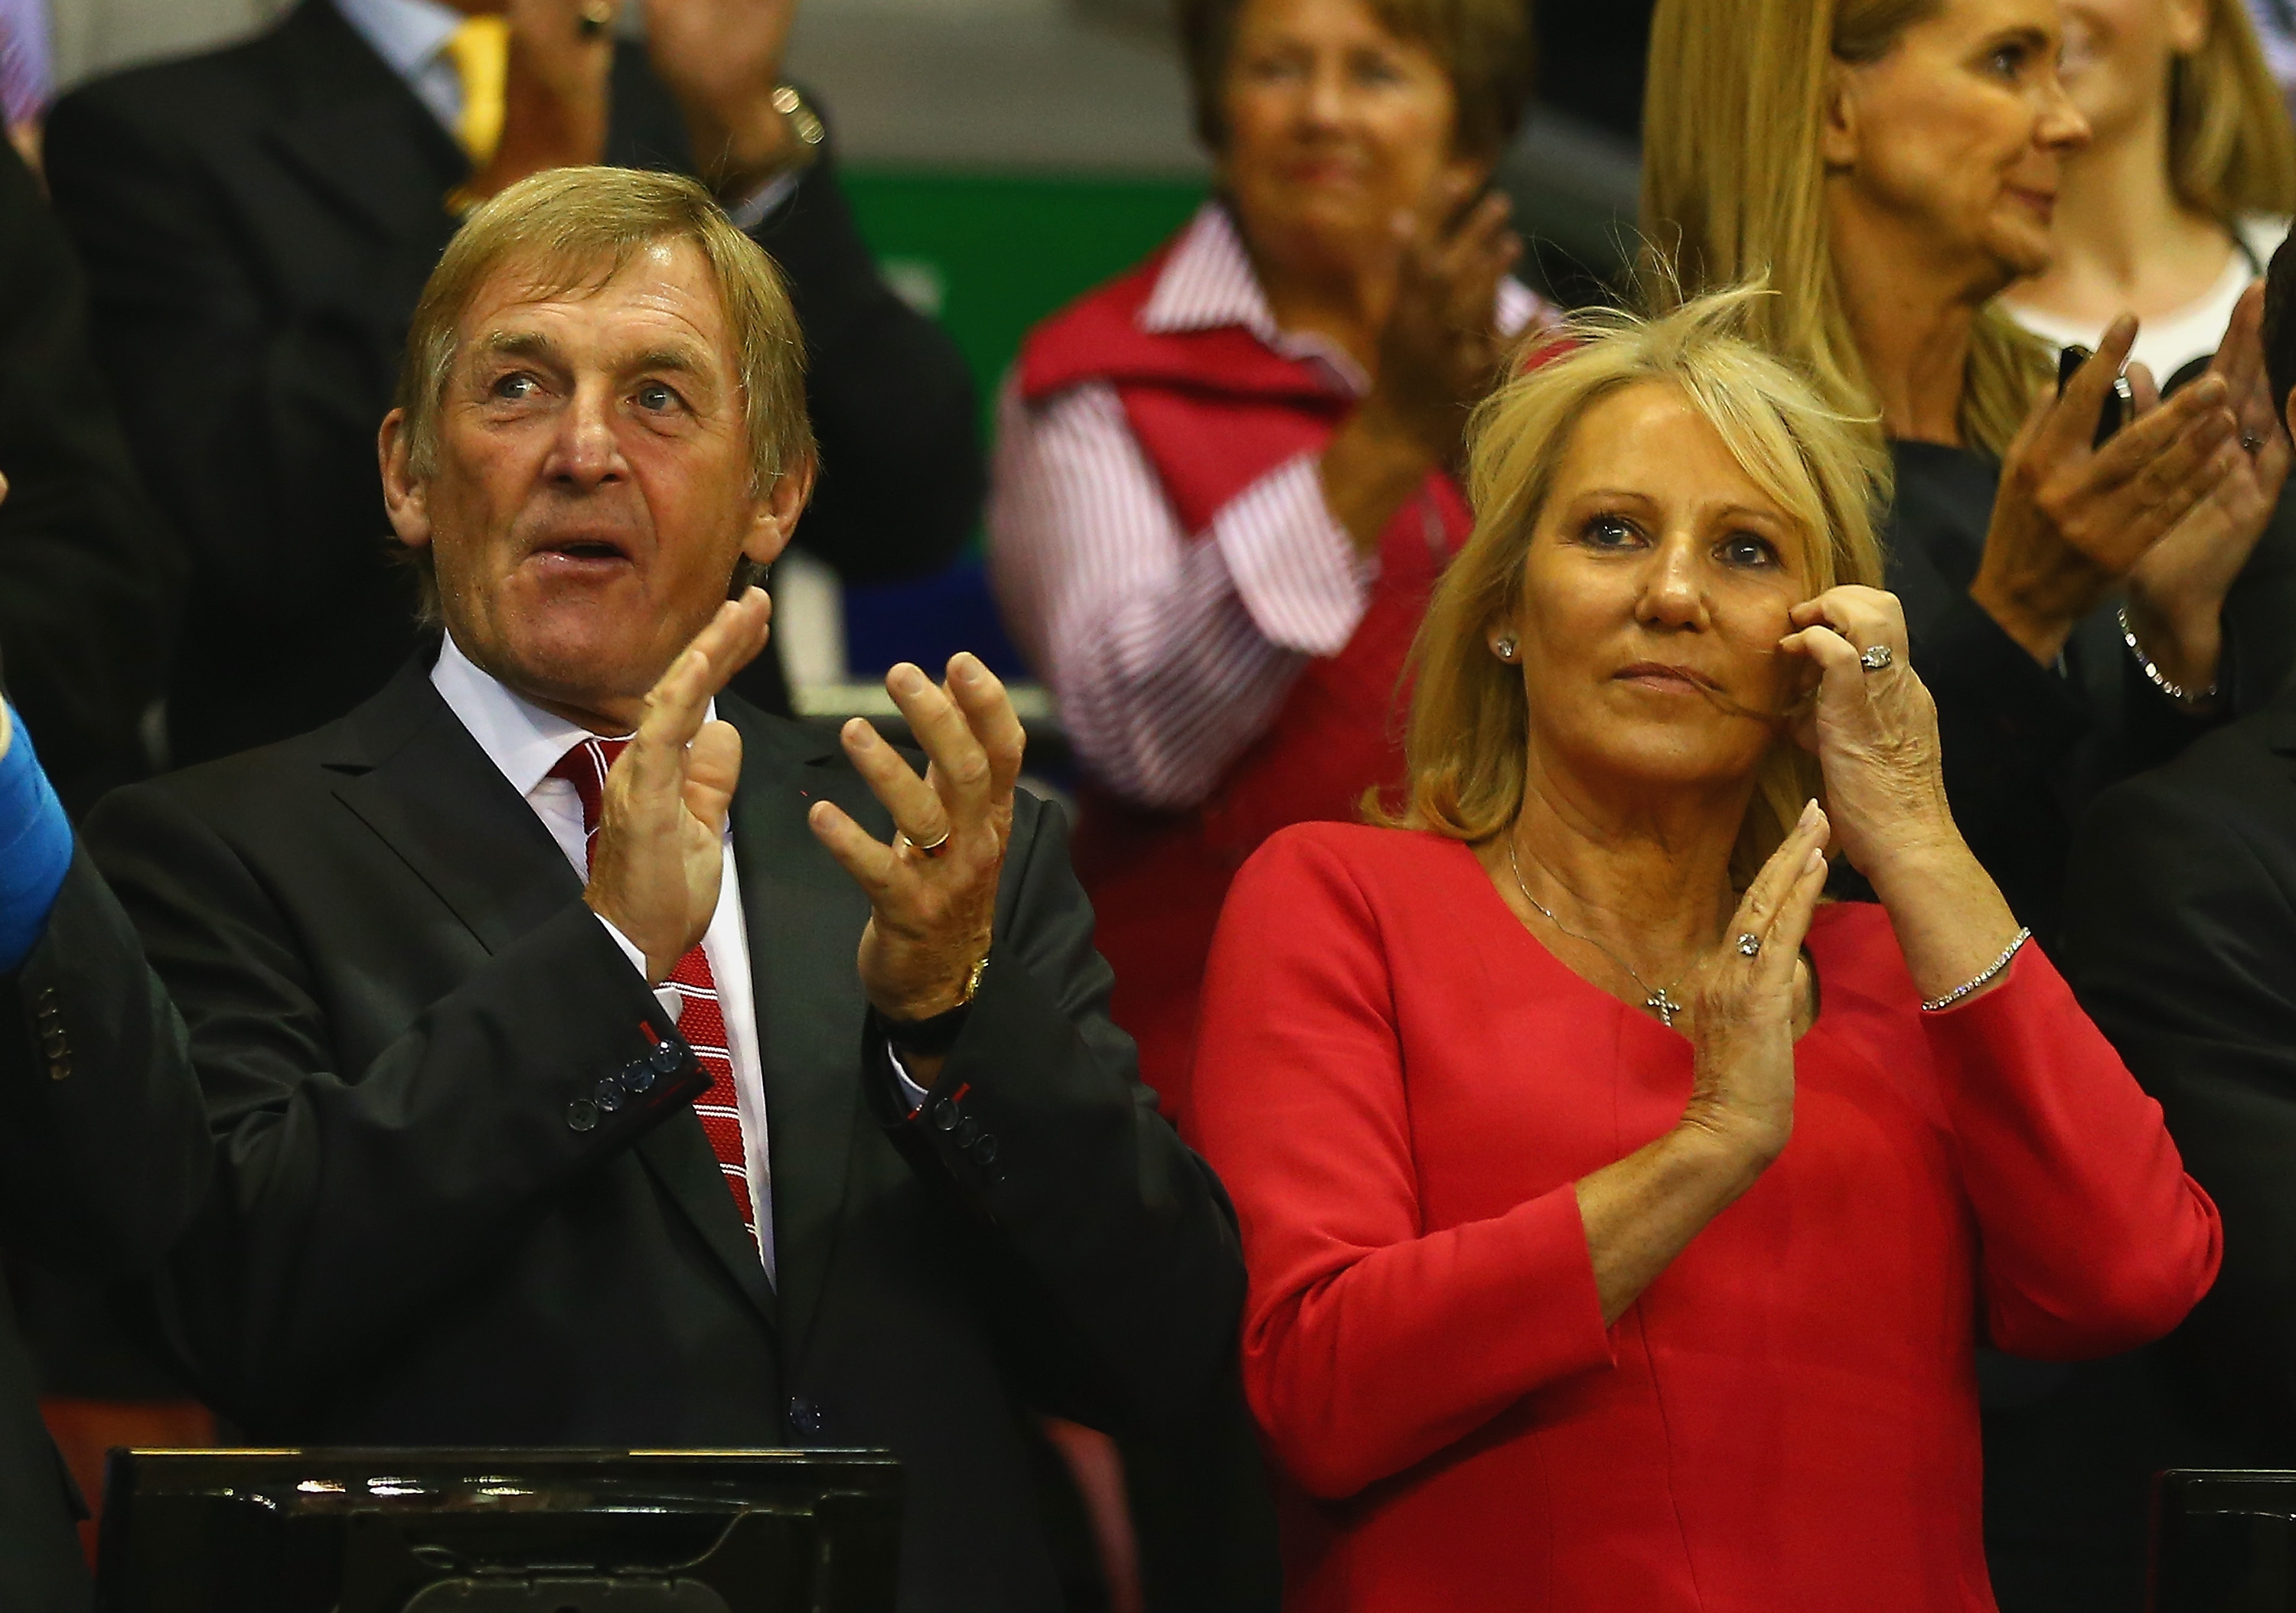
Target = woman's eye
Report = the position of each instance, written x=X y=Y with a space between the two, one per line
x=1745 y=549
x=1609 y=532
x=2008 y=62
x=1378 y=70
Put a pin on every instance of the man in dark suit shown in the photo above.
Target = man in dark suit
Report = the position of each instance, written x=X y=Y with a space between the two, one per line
x=257 y=222
x=90 y=578
x=104 y=1148
x=802 y=1119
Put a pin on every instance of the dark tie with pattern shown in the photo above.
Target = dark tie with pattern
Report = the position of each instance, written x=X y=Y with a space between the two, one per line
x=700 y=1020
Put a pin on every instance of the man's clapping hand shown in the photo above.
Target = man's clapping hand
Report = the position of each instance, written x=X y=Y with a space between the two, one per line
x=721 y=59
x=659 y=856
x=932 y=910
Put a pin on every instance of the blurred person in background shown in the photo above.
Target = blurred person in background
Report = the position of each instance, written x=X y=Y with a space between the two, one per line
x=1223 y=487
x=2170 y=213
x=2079 y=612
x=2182 y=945
x=90 y=576
x=257 y=222
x=1620 y=1220
x=1891 y=169
x=1224 y=483
x=103 y=1155
x=2175 y=205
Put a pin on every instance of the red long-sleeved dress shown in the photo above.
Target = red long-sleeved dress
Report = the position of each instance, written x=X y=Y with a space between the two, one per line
x=1400 y=1086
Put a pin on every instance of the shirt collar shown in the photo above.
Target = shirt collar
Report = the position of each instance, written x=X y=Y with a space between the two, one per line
x=406 y=34
x=1208 y=281
x=520 y=738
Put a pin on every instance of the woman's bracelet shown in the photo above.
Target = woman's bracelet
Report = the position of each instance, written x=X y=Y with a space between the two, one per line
x=1930 y=1005
x=2191 y=700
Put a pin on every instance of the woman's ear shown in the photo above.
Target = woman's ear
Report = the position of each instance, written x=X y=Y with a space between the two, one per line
x=1837 y=122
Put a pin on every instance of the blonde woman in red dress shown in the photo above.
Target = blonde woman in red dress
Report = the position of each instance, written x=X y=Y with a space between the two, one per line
x=1621 y=1221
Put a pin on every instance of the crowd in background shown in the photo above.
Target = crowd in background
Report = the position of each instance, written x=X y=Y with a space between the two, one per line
x=1694 y=851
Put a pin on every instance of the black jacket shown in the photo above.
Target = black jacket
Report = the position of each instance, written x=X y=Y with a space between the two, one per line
x=2026 y=748
x=90 y=579
x=431 y=1226
x=104 y=1162
x=257 y=223
x=2182 y=945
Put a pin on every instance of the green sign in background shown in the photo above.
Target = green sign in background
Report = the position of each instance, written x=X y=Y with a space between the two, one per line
x=1008 y=250
x=998 y=253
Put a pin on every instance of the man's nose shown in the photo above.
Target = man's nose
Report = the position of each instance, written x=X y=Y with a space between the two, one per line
x=588 y=452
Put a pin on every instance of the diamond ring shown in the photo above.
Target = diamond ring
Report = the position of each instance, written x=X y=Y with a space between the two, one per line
x=1750 y=945
x=1876 y=656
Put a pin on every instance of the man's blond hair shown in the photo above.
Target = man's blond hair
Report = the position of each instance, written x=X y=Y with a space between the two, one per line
x=571 y=228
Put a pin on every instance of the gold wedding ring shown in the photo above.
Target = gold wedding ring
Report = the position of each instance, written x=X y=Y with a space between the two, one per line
x=933 y=851
x=594 y=18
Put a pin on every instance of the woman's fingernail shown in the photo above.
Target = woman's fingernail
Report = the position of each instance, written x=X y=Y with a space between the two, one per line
x=1816 y=860
x=1808 y=813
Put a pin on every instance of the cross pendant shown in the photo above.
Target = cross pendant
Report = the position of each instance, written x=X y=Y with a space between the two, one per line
x=1663 y=1006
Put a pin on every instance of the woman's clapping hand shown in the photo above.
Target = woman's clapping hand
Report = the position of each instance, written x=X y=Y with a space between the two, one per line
x=2071 y=520
x=1745 y=1006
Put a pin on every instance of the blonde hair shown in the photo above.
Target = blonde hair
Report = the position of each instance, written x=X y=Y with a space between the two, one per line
x=582 y=226
x=1733 y=187
x=1485 y=48
x=2231 y=149
x=1466 y=744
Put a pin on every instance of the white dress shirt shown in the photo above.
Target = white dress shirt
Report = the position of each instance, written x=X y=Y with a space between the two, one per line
x=411 y=37
x=526 y=743
x=1171 y=651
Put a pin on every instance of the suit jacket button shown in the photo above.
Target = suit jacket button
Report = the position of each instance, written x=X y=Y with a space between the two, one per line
x=637 y=1077
x=984 y=1151
x=60 y=1068
x=945 y=1115
x=665 y=1058
x=805 y=1416
x=48 y=1004
x=965 y=1132
x=610 y=1095
x=582 y=1114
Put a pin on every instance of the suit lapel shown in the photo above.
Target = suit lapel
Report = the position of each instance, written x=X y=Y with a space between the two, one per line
x=804 y=916
x=416 y=777
x=356 y=133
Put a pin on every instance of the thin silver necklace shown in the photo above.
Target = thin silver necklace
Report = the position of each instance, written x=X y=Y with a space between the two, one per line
x=1659 y=1000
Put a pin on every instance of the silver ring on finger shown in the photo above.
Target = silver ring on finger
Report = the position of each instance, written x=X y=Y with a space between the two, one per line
x=1750 y=945
x=933 y=851
x=1874 y=657
x=2250 y=441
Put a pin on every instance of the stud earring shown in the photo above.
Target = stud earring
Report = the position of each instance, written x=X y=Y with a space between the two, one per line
x=1503 y=647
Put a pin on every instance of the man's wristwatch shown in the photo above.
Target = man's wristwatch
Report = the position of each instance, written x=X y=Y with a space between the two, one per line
x=931 y=1038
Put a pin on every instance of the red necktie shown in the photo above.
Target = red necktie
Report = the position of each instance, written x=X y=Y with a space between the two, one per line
x=701 y=1021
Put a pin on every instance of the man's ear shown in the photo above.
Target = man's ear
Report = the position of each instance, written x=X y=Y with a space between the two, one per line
x=405 y=497
x=1837 y=118
x=773 y=519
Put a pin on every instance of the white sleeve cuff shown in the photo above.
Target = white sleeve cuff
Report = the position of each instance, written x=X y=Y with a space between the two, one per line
x=1294 y=567
x=758 y=205
x=672 y=1003
x=911 y=1093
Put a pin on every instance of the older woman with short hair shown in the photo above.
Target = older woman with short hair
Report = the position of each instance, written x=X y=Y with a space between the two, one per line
x=1223 y=484
x=1621 y=1221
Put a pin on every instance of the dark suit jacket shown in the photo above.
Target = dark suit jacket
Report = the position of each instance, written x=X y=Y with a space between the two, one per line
x=104 y=1161
x=90 y=579
x=258 y=224
x=427 y=1232
x=2182 y=944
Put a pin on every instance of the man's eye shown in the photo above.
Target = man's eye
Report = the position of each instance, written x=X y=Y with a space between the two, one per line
x=653 y=395
x=516 y=387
